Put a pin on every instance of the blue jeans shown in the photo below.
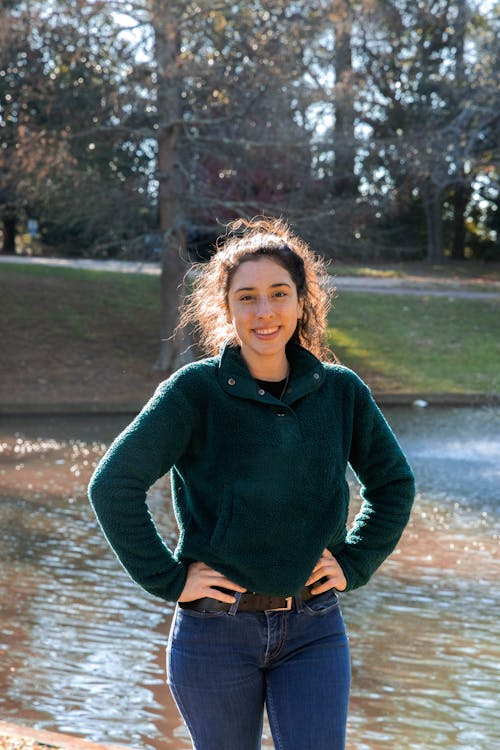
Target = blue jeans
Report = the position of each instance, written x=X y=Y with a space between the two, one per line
x=222 y=669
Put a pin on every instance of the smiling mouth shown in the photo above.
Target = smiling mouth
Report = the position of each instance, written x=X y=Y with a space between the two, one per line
x=266 y=331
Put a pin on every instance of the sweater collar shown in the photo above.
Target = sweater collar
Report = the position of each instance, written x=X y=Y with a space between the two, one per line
x=306 y=375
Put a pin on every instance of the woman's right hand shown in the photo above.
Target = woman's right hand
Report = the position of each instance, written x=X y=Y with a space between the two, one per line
x=200 y=582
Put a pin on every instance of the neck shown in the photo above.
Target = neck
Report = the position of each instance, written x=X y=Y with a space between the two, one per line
x=275 y=369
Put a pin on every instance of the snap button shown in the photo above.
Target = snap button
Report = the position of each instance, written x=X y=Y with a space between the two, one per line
x=231 y=381
x=316 y=376
x=261 y=391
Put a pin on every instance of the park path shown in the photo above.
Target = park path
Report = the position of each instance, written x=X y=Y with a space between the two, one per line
x=430 y=286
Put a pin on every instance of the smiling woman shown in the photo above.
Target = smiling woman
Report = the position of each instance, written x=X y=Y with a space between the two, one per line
x=264 y=309
x=258 y=438
x=207 y=308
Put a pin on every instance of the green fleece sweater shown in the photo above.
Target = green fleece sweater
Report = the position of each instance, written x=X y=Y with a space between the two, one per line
x=258 y=485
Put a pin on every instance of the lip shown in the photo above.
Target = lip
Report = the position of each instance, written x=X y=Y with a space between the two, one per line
x=266 y=333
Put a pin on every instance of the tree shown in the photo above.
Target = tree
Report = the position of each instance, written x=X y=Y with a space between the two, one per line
x=19 y=118
x=223 y=126
x=167 y=48
x=345 y=179
x=66 y=160
x=427 y=106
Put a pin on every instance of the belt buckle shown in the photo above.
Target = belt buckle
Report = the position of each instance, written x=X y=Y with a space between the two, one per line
x=287 y=608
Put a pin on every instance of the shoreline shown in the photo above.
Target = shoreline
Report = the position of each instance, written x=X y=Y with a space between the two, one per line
x=96 y=408
x=13 y=736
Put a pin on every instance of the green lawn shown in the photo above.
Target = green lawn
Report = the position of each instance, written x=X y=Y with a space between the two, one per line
x=473 y=272
x=76 y=302
x=417 y=344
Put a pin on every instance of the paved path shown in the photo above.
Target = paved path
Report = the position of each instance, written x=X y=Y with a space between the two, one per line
x=433 y=287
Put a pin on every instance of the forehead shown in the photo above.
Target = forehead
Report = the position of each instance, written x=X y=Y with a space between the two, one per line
x=260 y=272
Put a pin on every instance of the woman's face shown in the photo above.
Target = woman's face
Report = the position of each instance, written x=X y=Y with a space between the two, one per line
x=263 y=307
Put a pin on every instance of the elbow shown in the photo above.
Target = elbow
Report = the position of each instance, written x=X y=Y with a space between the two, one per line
x=95 y=490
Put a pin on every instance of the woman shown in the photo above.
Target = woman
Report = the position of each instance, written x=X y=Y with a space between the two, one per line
x=258 y=437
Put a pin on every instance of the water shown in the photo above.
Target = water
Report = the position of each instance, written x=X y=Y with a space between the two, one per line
x=83 y=649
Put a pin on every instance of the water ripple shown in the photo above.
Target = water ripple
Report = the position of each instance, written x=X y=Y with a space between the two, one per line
x=83 y=648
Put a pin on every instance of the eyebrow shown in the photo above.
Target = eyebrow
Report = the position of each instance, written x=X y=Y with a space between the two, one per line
x=251 y=288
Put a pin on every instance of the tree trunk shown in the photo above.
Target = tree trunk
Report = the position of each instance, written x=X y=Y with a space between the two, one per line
x=344 y=178
x=462 y=188
x=434 y=222
x=174 y=347
x=9 y=224
x=460 y=200
x=168 y=101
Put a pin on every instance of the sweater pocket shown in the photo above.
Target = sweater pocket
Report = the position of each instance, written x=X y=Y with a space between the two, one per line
x=257 y=528
x=223 y=520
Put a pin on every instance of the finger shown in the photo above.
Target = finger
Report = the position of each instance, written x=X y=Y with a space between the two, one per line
x=322 y=587
x=218 y=579
x=221 y=596
x=199 y=590
x=325 y=559
x=319 y=575
x=312 y=578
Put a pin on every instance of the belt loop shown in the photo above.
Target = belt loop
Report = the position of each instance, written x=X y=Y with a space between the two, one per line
x=234 y=607
x=298 y=603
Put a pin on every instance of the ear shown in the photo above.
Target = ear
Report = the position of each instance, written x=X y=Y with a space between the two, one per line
x=300 y=308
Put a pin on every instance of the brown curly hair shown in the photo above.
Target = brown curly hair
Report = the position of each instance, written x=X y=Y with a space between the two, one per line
x=205 y=309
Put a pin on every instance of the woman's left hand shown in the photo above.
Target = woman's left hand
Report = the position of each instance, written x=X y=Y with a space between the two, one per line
x=328 y=568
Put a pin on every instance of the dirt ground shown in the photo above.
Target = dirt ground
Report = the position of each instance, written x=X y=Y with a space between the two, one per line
x=65 y=342
x=40 y=376
x=18 y=737
x=95 y=383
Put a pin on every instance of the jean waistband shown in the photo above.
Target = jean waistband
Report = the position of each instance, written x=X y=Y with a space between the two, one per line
x=248 y=602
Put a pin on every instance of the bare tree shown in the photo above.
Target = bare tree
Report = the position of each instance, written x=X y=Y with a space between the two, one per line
x=430 y=107
x=165 y=21
x=345 y=181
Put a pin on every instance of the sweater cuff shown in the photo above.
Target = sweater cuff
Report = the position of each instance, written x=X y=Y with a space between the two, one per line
x=354 y=578
x=171 y=591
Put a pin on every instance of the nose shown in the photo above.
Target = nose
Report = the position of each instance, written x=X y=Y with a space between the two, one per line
x=264 y=307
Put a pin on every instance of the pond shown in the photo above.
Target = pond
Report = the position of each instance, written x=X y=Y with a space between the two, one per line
x=83 y=649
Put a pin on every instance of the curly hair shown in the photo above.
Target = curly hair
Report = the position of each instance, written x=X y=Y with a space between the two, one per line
x=205 y=309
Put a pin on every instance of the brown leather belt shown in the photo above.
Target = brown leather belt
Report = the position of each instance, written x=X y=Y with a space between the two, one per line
x=248 y=603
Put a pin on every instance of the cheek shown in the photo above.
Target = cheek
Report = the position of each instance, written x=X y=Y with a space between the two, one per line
x=235 y=319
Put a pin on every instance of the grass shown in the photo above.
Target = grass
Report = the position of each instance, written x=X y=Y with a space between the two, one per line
x=76 y=303
x=419 y=344
x=77 y=335
x=72 y=333
x=474 y=273
x=342 y=269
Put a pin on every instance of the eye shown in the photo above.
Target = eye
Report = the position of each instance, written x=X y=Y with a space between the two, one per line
x=245 y=298
x=280 y=294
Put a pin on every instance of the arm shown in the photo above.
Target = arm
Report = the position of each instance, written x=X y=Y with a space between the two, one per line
x=141 y=454
x=387 y=492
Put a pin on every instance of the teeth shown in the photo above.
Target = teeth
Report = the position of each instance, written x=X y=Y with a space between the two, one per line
x=264 y=331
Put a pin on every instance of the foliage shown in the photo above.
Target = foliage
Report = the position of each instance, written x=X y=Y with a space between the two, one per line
x=65 y=161
x=373 y=125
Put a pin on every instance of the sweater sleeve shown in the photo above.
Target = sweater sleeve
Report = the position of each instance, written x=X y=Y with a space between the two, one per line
x=387 y=492
x=141 y=454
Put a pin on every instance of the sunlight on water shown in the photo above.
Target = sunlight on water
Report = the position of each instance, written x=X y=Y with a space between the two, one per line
x=82 y=647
